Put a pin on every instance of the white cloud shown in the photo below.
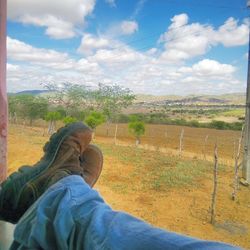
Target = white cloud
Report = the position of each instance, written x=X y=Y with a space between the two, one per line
x=179 y=20
x=31 y=66
x=208 y=67
x=111 y=3
x=12 y=67
x=111 y=61
x=230 y=34
x=125 y=27
x=20 y=51
x=152 y=51
x=209 y=76
x=56 y=28
x=129 y=27
x=120 y=57
x=139 y=6
x=59 y=17
x=183 y=41
x=90 y=43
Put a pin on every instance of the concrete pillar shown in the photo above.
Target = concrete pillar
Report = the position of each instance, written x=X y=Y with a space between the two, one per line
x=3 y=94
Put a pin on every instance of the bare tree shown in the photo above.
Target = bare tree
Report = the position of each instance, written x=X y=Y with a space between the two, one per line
x=214 y=194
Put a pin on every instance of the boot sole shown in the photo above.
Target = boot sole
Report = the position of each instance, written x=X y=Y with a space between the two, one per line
x=98 y=151
x=16 y=181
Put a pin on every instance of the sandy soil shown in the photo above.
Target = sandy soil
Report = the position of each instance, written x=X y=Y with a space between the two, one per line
x=183 y=210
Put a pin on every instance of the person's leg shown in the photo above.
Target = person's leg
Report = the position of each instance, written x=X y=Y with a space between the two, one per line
x=71 y=215
x=63 y=156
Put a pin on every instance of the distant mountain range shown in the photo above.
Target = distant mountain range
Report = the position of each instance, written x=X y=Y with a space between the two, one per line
x=30 y=92
x=233 y=98
x=227 y=99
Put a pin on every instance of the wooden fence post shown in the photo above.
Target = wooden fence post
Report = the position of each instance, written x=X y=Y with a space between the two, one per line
x=213 y=203
x=204 y=148
x=181 y=142
x=116 y=128
x=237 y=166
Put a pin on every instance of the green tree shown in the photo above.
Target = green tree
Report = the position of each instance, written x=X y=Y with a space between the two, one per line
x=74 y=98
x=69 y=119
x=95 y=119
x=52 y=117
x=111 y=100
x=28 y=107
x=12 y=108
x=137 y=128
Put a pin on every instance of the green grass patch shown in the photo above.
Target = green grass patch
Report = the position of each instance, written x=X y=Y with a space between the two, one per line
x=234 y=113
x=155 y=170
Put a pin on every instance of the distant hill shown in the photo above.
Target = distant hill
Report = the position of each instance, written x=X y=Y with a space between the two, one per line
x=224 y=99
x=30 y=92
x=234 y=98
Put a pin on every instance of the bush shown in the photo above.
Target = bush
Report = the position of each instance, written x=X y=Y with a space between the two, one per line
x=95 y=119
x=218 y=125
x=137 y=128
x=162 y=118
x=69 y=119
x=53 y=116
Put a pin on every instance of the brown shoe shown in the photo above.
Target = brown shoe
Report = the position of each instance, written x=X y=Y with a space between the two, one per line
x=91 y=162
x=61 y=158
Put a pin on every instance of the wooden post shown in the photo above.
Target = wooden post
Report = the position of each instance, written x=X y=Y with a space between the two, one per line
x=213 y=203
x=116 y=128
x=237 y=166
x=204 y=149
x=181 y=142
x=166 y=134
x=3 y=92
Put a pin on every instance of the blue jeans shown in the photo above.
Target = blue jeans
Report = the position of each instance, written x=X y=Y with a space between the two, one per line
x=71 y=215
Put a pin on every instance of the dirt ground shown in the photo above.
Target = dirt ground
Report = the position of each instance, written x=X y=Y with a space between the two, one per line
x=182 y=209
x=168 y=136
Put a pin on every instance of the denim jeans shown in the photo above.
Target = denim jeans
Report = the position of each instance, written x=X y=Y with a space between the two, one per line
x=71 y=215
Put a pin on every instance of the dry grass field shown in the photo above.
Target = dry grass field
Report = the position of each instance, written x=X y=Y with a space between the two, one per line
x=167 y=137
x=159 y=187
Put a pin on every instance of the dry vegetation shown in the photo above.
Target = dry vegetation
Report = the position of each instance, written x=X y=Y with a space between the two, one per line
x=165 y=190
x=167 y=137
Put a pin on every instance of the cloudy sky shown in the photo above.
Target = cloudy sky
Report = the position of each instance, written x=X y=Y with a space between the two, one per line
x=156 y=47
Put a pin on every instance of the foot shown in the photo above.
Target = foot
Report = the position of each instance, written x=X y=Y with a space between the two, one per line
x=61 y=158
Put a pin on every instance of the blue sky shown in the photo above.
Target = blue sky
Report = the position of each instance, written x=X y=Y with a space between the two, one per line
x=155 y=47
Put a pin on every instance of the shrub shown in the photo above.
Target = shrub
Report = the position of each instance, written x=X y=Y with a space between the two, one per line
x=95 y=119
x=69 y=119
x=137 y=128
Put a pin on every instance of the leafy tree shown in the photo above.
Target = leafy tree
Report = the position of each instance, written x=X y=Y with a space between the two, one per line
x=12 y=108
x=28 y=107
x=137 y=128
x=112 y=99
x=95 y=119
x=52 y=117
x=38 y=109
x=69 y=119
x=72 y=97
x=60 y=109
